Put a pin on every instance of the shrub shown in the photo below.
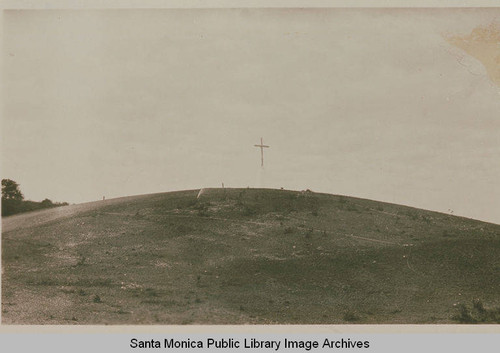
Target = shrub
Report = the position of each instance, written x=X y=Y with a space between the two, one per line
x=464 y=315
x=350 y=316
x=477 y=313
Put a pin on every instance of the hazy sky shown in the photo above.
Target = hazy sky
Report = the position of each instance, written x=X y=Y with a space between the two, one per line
x=376 y=104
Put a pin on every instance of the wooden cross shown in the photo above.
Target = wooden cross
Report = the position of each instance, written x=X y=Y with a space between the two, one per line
x=262 y=146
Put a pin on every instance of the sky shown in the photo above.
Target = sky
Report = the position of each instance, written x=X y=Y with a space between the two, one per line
x=390 y=105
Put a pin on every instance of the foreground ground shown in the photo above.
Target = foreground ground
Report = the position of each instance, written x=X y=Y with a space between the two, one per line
x=248 y=256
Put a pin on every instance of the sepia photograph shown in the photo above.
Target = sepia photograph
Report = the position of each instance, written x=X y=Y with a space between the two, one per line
x=250 y=166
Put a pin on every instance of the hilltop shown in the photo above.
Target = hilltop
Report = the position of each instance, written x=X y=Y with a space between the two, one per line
x=248 y=256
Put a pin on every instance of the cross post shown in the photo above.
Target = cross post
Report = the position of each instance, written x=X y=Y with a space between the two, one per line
x=262 y=146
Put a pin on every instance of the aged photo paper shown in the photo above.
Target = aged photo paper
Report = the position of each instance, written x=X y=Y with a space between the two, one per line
x=256 y=167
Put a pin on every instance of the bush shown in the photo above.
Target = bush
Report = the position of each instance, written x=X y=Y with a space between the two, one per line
x=12 y=207
x=477 y=313
x=350 y=316
x=464 y=315
x=46 y=203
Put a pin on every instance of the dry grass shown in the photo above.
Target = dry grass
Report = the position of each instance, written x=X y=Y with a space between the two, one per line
x=246 y=256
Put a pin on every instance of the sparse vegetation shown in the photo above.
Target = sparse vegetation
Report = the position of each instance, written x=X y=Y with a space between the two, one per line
x=249 y=211
x=151 y=292
x=81 y=260
x=352 y=208
x=152 y=259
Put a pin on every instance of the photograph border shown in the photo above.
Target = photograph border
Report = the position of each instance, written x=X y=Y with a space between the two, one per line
x=244 y=329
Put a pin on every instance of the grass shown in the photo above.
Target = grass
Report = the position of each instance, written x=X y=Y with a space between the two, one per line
x=249 y=256
x=351 y=316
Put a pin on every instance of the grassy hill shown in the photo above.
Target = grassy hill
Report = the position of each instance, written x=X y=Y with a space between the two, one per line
x=248 y=256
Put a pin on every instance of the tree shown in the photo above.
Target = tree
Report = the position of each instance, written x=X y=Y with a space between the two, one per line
x=11 y=191
x=12 y=198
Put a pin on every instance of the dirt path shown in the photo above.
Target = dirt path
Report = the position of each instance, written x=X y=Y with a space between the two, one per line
x=37 y=218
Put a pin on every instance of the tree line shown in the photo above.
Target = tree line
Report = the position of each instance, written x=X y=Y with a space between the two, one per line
x=13 y=200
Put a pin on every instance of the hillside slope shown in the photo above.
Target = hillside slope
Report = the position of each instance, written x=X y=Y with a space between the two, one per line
x=248 y=256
